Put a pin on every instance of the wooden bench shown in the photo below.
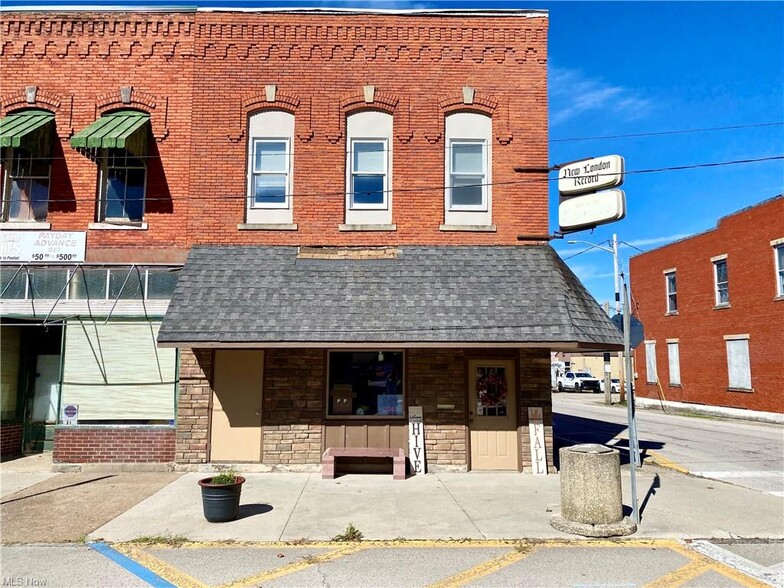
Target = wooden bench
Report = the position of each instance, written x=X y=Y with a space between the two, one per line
x=397 y=455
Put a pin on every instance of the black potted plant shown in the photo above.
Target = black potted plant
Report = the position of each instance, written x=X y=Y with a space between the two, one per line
x=220 y=495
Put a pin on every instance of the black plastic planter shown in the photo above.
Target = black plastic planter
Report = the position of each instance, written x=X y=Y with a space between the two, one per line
x=221 y=502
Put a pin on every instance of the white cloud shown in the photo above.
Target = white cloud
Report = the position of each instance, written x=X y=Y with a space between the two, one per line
x=572 y=93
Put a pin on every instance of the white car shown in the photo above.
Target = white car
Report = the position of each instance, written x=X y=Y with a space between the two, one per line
x=615 y=385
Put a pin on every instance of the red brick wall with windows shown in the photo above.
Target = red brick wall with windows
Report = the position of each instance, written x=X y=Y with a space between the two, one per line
x=108 y=444
x=754 y=309
x=201 y=75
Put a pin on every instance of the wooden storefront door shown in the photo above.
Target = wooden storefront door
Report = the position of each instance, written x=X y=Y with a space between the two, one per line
x=492 y=409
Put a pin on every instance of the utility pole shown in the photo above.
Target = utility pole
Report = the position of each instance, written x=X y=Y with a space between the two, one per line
x=634 y=450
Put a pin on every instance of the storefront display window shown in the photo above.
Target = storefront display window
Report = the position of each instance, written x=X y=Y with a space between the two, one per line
x=365 y=384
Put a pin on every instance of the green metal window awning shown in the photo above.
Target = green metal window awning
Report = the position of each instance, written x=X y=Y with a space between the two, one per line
x=15 y=127
x=126 y=129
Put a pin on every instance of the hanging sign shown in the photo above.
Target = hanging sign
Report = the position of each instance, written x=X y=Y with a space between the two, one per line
x=43 y=246
x=416 y=439
x=591 y=210
x=536 y=435
x=590 y=175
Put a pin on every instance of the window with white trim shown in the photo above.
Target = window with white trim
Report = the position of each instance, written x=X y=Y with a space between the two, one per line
x=778 y=251
x=738 y=363
x=674 y=359
x=468 y=169
x=369 y=175
x=270 y=168
x=369 y=151
x=650 y=362
x=672 y=297
x=721 y=282
x=123 y=185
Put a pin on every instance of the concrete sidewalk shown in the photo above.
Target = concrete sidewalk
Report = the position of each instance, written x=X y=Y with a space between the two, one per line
x=292 y=507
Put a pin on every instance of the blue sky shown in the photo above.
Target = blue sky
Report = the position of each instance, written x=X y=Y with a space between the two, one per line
x=620 y=68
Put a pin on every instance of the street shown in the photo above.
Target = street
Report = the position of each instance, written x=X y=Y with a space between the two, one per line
x=742 y=453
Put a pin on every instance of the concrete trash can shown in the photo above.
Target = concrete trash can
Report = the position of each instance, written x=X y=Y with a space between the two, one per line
x=591 y=499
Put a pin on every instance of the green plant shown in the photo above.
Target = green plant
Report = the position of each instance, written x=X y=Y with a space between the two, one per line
x=350 y=534
x=170 y=540
x=225 y=475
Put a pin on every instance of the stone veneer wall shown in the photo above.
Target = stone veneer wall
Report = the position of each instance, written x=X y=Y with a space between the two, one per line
x=193 y=406
x=534 y=379
x=437 y=376
x=293 y=413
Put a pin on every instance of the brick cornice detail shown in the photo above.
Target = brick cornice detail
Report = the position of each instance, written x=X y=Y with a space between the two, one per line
x=283 y=101
x=61 y=106
x=482 y=103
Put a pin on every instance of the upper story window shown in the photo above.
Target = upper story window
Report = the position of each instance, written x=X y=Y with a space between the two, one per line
x=672 y=296
x=778 y=252
x=26 y=138
x=721 y=281
x=369 y=174
x=368 y=171
x=118 y=141
x=468 y=170
x=270 y=168
x=123 y=183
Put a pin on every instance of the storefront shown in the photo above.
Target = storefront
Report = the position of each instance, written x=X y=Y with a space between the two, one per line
x=316 y=348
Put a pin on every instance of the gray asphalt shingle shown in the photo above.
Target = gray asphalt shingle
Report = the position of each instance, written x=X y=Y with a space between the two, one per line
x=259 y=294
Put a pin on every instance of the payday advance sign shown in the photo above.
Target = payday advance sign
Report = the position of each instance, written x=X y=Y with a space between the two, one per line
x=43 y=246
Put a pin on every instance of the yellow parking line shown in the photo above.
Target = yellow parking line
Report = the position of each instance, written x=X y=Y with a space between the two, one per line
x=716 y=566
x=662 y=461
x=266 y=576
x=483 y=568
x=680 y=576
x=160 y=567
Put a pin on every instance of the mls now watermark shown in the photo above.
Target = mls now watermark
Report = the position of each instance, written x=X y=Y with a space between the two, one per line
x=19 y=581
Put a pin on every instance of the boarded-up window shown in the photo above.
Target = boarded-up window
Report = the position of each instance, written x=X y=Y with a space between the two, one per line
x=738 y=363
x=650 y=362
x=674 y=356
x=116 y=372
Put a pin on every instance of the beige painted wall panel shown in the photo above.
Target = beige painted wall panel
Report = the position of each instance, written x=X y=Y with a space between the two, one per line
x=236 y=405
x=10 y=343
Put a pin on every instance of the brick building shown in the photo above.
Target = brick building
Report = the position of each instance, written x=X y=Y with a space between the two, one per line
x=342 y=184
x=712 y=306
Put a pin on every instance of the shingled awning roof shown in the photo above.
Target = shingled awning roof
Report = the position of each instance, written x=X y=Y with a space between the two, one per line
x=406 y=296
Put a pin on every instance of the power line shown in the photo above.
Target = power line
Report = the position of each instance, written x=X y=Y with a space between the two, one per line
x=671 y=132
x=440 y=188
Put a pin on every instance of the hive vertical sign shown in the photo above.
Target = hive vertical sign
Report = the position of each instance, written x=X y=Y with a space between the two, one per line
x=588 y=194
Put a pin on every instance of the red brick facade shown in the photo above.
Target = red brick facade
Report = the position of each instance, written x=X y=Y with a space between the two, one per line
x=107 y=444
x=700 y=325
x=200 y=75
x=10 y=438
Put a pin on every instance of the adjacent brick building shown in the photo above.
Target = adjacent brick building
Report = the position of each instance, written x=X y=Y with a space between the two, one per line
x=713 y=310
x=280 y=147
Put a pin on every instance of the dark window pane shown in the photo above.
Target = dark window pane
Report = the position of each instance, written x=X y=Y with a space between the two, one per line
x=466 y=190
x=365 y=383
x=89 y=284
x=270 y=189
x=721 y=271
x=368 y=189
x=133 y=287
x=115 y=194
x=16 y=289
x=161 y=283
x=47 y=283
x=134 y=195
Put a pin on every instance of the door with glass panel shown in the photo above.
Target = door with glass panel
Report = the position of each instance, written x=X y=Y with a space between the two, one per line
x=493 y=415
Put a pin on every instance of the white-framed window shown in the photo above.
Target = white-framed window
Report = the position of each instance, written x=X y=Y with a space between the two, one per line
x=369 y=178
x=778 y=254
x=468 y=169
x=651 y=376
x=721 y=281
x=674 y=360
x=468 y=175
x=270 y=182
x=123 y=186
x=672 y=296
x=369 y=171
x=738 y=362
